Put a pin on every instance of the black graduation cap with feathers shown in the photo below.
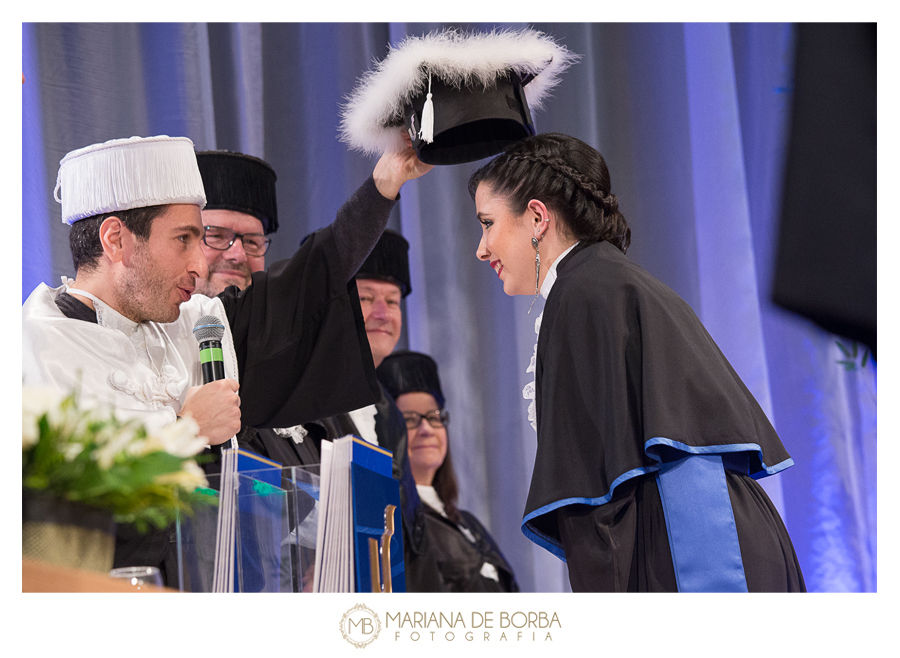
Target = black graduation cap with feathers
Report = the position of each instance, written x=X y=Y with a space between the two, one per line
x=460 y=96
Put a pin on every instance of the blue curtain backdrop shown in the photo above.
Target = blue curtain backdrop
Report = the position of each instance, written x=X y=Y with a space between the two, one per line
x=692 y=120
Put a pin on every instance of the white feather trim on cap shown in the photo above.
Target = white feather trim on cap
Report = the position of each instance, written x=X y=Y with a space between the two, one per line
x=372 y=118
x=122 y=174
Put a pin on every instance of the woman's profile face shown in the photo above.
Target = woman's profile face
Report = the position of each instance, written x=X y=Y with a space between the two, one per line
x=505 y=241
x=426 y=445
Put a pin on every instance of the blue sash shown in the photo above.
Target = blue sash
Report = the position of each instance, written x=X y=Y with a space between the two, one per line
x=700 y=523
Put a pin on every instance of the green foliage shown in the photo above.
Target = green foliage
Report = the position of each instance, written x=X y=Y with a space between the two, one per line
x=90 y=456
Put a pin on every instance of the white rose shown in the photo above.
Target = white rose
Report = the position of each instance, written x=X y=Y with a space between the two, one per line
x=72 y=450
x=114 y=441
x=180 y=438
x=36 y=401
x=30 y=433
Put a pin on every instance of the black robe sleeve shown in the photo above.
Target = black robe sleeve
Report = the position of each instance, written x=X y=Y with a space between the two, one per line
x=299 y=333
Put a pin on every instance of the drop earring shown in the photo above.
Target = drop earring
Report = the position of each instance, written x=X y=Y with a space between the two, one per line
x=537 y=270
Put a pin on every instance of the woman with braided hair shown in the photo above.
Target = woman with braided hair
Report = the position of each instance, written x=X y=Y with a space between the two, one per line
x=648 y=443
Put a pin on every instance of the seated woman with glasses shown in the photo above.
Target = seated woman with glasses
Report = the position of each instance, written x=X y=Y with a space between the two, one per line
x=468 y=558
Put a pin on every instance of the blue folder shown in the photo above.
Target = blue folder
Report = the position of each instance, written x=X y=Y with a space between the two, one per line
x=373 y=489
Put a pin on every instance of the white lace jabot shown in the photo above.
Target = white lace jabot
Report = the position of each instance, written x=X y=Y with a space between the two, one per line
x=529 y=391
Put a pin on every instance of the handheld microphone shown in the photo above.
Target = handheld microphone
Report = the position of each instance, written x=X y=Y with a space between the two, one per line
x=208 y=331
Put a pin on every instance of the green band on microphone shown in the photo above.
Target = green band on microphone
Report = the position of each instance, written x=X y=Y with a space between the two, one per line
x=211 y=354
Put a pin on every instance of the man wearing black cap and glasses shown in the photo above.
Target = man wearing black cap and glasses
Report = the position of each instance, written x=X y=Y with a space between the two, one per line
x=241 y=211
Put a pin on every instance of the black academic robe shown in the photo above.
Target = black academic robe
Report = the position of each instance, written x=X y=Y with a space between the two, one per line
x=390 y=428
x=282 y=449
x=300 y=339
x=459 y=561
x=628 y=381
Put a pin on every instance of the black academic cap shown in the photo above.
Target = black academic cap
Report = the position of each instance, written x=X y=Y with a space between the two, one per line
x=460 y=97
x=234 y=181
x=471 y=122
x=389 y=261
x=410 y=372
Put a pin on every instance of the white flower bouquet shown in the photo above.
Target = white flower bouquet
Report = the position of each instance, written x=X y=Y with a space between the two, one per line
x=85 y=454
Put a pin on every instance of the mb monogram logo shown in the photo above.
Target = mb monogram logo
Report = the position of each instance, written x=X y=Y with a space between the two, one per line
x=360 y=626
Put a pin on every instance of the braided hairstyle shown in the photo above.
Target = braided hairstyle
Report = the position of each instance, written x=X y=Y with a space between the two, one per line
x=568 y=176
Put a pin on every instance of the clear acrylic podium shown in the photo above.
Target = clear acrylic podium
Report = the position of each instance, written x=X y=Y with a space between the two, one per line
x=275 y=519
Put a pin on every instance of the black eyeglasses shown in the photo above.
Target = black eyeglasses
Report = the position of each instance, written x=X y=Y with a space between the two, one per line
x=435 y=418
x=221 y=239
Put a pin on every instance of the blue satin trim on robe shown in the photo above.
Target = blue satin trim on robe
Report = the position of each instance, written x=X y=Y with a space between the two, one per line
x=735 y=456
x=652 y=446
x=700 y=523
x=553 y=545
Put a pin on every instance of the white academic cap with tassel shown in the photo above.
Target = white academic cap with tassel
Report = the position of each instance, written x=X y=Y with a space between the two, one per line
x=460 y=96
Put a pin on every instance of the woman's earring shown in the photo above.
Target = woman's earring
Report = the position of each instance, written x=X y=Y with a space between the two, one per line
x=537 y=270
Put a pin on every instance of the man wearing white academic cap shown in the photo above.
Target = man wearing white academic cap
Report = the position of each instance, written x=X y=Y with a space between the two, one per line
x=122 y=330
